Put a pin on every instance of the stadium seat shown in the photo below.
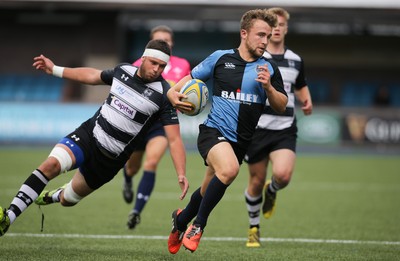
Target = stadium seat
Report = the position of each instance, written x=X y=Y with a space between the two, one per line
x=358 y=94
x=394 y=95
x=6 y=87
x=320 y=91
x=30 y=88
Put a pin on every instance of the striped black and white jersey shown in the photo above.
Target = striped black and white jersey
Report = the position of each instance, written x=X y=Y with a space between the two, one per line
x=130 y=109
x=291 y=67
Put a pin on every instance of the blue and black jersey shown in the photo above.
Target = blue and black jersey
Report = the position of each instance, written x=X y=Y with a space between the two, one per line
x=238 y=99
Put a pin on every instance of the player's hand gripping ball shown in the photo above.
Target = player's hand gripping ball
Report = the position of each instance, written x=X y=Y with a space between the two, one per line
x=197 y=95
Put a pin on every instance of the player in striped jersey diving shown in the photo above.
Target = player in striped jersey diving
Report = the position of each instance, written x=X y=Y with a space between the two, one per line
x=100 y=146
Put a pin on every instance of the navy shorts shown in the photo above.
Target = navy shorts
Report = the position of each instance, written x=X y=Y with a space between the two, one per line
x=95 y=166
x=209 y=137
x=265 y=141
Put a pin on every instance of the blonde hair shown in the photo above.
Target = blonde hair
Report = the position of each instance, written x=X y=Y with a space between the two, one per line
x=250 y=16
x=280 y=12
x=162 y=28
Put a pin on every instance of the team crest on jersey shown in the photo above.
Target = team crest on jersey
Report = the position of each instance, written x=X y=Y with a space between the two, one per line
x=291 y=63
x=148 y=92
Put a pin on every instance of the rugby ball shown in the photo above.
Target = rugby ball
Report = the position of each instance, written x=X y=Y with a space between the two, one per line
x=197 y=95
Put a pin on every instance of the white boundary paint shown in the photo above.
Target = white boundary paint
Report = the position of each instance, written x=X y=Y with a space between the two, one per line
x=268 y=239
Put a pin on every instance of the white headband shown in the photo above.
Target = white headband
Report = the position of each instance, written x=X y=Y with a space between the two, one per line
x=156 y=54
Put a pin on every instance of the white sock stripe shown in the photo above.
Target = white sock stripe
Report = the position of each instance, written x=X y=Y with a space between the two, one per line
x=250 y=198
x=21 y=205
x=253 y=208
x=56 y=195
x=274 y=186
x=40 y=176
x=28 y=191
x=11 y=215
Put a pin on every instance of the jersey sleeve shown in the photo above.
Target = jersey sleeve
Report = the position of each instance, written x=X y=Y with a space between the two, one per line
x=168 y=113
x=301 y=78
x=204 y=70
x=107 y=76
x=276 y=79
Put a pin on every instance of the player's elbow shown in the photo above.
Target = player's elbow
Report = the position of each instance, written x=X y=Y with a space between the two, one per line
x=280 y=105
x=280 y=109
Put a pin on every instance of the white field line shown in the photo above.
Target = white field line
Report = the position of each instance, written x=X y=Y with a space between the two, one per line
x=268 y=239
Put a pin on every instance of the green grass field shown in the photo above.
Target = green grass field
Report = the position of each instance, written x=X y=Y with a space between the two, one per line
x=337 y=207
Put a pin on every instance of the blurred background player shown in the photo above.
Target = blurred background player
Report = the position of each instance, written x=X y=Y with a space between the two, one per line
x=241 y=80
x=276 y=134
x=155 y=142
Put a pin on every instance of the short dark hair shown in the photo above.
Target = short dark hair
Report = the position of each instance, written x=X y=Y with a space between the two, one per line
x=160 y=45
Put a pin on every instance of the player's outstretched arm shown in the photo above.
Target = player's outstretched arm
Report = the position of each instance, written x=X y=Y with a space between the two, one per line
x=83 y=75
x=178 y=155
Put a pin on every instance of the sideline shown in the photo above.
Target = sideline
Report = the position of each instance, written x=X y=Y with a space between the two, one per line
x=268 y=239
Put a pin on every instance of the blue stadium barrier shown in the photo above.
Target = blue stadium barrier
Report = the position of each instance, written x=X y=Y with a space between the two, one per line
x=394 y=91
x=320 y=91
x=26 y=88
x=358 y=94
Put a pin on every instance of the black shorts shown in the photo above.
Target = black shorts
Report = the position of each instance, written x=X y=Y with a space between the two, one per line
x=209 y=137
x=96 y=167
x=156 y=130
x=265 y=141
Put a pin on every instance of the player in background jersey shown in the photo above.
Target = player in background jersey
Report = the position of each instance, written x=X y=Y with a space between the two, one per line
x=100 y=146
x=275 y=138
x=241 y=80
x=155 y=142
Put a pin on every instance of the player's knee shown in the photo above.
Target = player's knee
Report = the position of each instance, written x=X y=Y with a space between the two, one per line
x=132 y=169
x=260 y=182
x=150 y=164
x=69 y=196
x=63 y=158
x=228 y=174
x=258 y=177
x=283 y=178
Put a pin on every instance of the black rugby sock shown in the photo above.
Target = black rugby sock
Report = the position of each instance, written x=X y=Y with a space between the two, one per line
x=28 y=192
x=190 y=211
x=214 y=193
